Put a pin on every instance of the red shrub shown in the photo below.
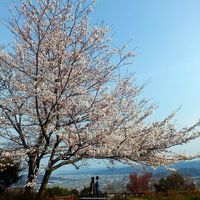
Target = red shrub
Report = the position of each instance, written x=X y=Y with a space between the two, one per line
x=139 y=183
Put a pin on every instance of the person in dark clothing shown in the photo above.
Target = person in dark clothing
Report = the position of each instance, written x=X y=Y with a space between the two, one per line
x=92 y=187
x=97 y=186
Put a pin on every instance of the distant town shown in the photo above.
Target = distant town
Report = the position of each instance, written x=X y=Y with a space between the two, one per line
x=117 y=177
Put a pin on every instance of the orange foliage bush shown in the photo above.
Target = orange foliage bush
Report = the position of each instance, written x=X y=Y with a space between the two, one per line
x=139 y=183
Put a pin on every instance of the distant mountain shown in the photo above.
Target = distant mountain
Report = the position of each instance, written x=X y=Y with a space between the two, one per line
x=189 y=168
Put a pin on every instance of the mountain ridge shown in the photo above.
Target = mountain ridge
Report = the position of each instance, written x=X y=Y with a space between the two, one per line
x=190 y=168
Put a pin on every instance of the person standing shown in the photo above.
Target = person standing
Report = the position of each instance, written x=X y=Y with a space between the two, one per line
x=97 y=186
x=92 y=186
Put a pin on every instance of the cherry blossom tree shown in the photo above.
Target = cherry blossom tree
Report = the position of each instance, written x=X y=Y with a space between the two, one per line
x=62 y=96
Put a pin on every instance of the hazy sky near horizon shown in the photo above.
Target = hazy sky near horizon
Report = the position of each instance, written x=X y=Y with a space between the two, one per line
x=166 y=37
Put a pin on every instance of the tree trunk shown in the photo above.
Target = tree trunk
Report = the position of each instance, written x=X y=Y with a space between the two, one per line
x=44 y=184
x=27 y=192
x=30 y=179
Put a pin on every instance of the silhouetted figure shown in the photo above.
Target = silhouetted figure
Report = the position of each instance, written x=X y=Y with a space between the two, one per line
x=97 y=186
x=92 y=187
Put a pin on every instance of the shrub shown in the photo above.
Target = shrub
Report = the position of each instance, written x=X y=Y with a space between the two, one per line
x=9 y=175
x=74 y=192
x=193 y=198
x=139 y=183
x=174 y=182
x=85 y=191
x=16 y=194
x=57 y=191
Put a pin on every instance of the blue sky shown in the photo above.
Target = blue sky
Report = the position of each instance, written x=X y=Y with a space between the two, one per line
x=166 y=36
